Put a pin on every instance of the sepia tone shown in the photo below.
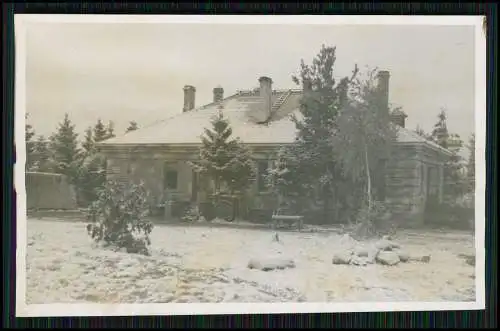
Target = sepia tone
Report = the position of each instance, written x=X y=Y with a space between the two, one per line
x=416 y=170
x=320 y=192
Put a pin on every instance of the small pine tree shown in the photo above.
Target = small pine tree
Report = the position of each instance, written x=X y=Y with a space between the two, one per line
x=119 y=217
x=92 y=174
x=92 y=177
x=41 y=155
x=66 y=156
x=241 y=169
x=30 y=145
x=225 y=160
x=454 y=182
x=100 y=132
x=132 y=126
x=110 y=130
x=88 y=142
x=440 y=133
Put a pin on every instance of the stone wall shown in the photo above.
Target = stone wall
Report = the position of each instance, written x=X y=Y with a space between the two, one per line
x=49 y=191
x=403 y=185
x=406 y=176
x=150 y=172
x=407 y=182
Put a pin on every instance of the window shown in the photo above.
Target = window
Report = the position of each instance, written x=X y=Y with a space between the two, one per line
x=169 y=178
x=262 y=166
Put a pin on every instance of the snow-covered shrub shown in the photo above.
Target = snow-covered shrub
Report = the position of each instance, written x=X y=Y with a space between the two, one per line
x=456 y=215
x=193 y=214
x=118 y=217
x=372 y=222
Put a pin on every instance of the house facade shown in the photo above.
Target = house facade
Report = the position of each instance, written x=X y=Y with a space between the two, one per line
x=159 y=154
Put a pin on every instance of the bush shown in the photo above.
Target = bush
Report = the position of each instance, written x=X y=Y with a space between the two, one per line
x=193 y=214
x=207 y=209
x=374 y=222
x=91 y=178
x=118 y=217
x=459 y=216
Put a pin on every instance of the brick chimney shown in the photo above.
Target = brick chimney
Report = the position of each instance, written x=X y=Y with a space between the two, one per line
x=218 y=94
x=189 y=98
x=383 y=86
x=266 y=91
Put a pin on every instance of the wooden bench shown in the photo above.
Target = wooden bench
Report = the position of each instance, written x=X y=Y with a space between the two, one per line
x=279 y=218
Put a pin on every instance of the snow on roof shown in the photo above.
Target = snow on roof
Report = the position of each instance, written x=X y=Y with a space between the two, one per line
x=188 y=127
x=408 y=136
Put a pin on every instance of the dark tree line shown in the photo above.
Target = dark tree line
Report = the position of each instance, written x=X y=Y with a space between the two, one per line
x=63 y=153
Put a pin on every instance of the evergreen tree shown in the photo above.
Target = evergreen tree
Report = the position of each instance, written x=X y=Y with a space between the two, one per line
x=41 y=155
x=132 y=126
x=471 y=164
x=315 y=167
x=30 y=145
x=92 y=177
x=88 y=142
x=66 y=156
x=364 y=136
x=454 y=181
x=100 y=132
x=440 y=133
x=110 y=130
x=241 y=169
x=224 y=159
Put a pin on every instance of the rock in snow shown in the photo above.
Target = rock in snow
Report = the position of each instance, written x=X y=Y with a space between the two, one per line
x=403 y=256
x=268 y=264
x=342 y=257
x=388 y=258
x=362 y=251
x=423 y=258
x=347 y=241
x=386 y=245
x=359 y=260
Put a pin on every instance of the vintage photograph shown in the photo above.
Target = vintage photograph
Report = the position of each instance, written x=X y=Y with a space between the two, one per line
x=231 y=161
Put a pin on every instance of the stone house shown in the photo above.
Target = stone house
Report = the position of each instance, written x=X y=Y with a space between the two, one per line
x=158 y=154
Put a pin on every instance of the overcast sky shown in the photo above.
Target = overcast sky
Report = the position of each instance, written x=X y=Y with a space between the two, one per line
x=124 y=72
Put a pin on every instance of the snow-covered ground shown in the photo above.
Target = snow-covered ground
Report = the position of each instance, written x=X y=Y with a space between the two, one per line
x=203 y=264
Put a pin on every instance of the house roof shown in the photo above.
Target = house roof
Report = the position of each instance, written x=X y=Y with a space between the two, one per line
x=409 y=136
x=186 y=128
